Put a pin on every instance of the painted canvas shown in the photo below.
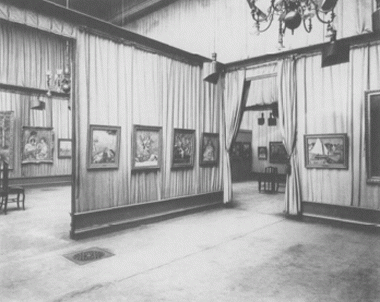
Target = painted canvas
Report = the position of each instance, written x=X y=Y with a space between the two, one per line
x=262 y=152
x=37 y=146
x=209 y=155
x=104 y=147
x=7 y=137
x=183 y=151
x=327 y=151
x=64 y=148
x=277 y=153
x=146 y=147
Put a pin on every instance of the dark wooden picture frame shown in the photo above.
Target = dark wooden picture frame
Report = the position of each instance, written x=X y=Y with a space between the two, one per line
x=64 y=148
x=326 y=151
x=103 y=149
x=183 y=148
x=277 y=153
x=7 y=137
x=372 y=135
x=37 y=145
x=146 y=148
x=209 y=149
x=262 y=153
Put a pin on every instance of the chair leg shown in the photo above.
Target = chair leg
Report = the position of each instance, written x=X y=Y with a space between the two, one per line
x=1 y=202
x=18 y=200
x=23 y=200
x=5 y=205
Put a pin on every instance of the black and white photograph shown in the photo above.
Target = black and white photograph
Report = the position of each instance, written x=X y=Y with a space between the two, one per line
x=190 y=150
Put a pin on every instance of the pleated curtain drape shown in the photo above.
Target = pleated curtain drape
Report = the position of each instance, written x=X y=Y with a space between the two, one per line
x=124 y=86
x=287 y=99
x=235 y=98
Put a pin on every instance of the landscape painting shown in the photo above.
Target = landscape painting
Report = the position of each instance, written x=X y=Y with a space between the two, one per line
x=326 y=151
x=64 y=148
x=103 y=147
x=146 y=147
x=183 y=148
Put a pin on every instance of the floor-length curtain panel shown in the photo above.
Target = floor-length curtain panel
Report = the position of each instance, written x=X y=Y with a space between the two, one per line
x=235 y=98
x=288 y=124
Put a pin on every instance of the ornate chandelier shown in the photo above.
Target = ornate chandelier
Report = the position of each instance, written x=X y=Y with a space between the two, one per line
x=291 y=13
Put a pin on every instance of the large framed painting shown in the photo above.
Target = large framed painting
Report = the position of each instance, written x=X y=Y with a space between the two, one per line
x=7 y=137
x=183 y=148
x=236 y=150
x=37 y=145
x=103 y=147
x=209 y=150
x=146 y=147
x=64 y=148
x=277 y=153
x=262 y=152
x=246 y=150
x=326 y=151
x=372 y=135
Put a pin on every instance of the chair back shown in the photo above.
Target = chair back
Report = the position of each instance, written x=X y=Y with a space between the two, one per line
x=4 y=176
x=271 y=169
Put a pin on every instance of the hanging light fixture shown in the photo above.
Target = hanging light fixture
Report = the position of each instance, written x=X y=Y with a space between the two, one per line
x=37 y=103
x=214 y=71
x=291 y=13
x=272 y=120
x=261 y=120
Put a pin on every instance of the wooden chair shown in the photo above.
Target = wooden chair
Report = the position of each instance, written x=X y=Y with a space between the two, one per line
x=273 y=181
x=6 y=190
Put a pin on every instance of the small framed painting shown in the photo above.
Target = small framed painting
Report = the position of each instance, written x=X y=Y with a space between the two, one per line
x=326 y=151
x=209 y=151
x=146 y=147
x=183 y=148
x=64 y=148
x=262 y=153
x=103 y=147
x=277 y=153
x=37 y=145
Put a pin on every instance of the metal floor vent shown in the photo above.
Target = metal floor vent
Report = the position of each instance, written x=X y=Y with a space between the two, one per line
x=88 y=255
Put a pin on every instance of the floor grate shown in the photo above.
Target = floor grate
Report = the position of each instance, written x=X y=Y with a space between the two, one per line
x=88 y=255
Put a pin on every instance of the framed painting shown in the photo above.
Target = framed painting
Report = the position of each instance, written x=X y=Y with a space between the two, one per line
x=277 y=153
x=64 y=148
x=236 y=150
x=246 y=150
x=326 y=151
x=183 y=148
x=262 y=153
x=37 y=145
x=209 y=150
x=146 y=147
x=372 y=135
x=103 y=147
x=7 y=137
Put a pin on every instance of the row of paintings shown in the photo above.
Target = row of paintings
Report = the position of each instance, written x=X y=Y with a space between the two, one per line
x=326 y=151
x=37 y=143
x=104 y=150
x=241 y=150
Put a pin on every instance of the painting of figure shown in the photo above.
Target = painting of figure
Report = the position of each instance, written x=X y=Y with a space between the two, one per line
x=183 y=151
x=209 y=154
x=146 y=147
x=7 y=137
x=104 y=147
x=37 y=145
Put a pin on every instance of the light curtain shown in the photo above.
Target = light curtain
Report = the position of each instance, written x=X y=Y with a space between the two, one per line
x=124 y=86
x=235 y=98
x=333 y=102
x=288 y=125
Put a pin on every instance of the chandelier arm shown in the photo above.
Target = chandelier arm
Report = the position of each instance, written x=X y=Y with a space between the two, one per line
x=270 y=17
x=323 y=21
x=307 y=27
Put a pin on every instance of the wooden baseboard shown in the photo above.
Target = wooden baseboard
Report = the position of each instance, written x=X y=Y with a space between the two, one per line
x=41 y=181
x=341 y=214
x=100 y=222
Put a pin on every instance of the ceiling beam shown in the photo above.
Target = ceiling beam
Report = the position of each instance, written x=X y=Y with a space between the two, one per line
x=138 y=10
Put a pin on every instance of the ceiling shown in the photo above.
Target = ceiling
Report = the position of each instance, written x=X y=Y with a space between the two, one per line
x=118 y=12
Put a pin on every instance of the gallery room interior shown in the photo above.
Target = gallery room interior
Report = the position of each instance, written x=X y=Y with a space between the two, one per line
x=245 y=128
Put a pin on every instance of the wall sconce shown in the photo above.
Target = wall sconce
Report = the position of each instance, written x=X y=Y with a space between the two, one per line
x=272 y=120
x=261 y=120
x=37 y=103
